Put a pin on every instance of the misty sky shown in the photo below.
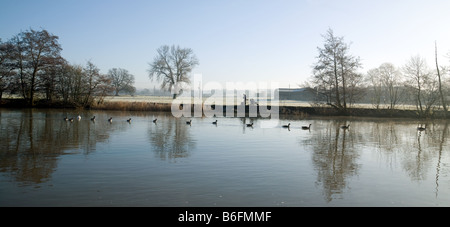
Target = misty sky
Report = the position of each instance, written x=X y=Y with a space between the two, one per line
x=234 y=40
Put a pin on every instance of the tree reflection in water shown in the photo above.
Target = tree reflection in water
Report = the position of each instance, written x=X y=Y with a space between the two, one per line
x=31 y=141
x=170 y=138
x=344 y=162
x=336 y=152
x=334 y=158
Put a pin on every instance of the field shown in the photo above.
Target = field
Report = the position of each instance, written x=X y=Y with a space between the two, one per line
x=284 y=103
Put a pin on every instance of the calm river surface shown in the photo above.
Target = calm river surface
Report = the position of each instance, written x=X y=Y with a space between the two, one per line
x=46 y=161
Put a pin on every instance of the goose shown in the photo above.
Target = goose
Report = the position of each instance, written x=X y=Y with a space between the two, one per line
x=79 y=117
x=129 y=120
x=93 y=118
x=110 y=120
x=345 y=126
x=66 y=119
x=250 y=125
x=154 y=121
x=287 y=126
x=71 y=119
x=215 y=122
x=306 y=127
x=420 y=128
x=189 y=122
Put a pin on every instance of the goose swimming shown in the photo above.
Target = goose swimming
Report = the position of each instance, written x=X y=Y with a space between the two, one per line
x=306 y=127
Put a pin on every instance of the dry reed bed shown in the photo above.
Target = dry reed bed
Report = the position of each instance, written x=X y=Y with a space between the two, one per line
x=291 y=110
x=133 y=106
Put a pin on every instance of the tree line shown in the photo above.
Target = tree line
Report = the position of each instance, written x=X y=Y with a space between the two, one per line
x=338 y=83
x=32 y=67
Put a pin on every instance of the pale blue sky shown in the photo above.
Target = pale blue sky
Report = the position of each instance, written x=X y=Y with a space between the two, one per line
x=234 y=40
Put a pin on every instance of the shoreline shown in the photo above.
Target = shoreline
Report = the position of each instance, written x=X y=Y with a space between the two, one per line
x=301 y=111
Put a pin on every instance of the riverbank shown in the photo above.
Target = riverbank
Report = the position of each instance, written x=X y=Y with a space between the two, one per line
x=286 y=107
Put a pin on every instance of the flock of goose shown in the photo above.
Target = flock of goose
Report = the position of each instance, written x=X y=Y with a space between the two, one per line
x=420 y=128
x=215 y=123
x=93 y=119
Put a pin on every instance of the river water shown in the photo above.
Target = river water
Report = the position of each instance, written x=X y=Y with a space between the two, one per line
x=47 y=161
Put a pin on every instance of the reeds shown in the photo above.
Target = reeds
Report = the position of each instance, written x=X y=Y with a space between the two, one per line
x=133 y=106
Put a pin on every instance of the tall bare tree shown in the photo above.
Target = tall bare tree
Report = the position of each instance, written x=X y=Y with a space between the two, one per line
x=423 y=84
x=441 y=93
x=93 y=80
x=172 y=66
x=336 y=70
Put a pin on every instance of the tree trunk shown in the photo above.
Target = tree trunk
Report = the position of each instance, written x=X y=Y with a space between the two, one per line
x=343 y=89
x=419 y=102
x=33 y=81
x=336 y=82
x=440 y=85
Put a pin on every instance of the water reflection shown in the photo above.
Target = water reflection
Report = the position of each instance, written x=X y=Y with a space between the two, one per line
x=334 y=158
x=31 y=142
x=372 y=156
x=336 y=152
x=170 y=138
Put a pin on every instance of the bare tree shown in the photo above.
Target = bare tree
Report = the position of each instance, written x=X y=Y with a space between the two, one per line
x=172 y=66
x=93 y=80
x=30 y=62
x=374 y=80
x=5 y=69
x=121 y=80
x=386 y=82
x=64 y=81
x=82 y=86
x=76 y=83
x=48 y=78
x=103 y=88
x=34 y=51
x=354 y=89
x=423 y=84
x=391 y=79
x=335 y=70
